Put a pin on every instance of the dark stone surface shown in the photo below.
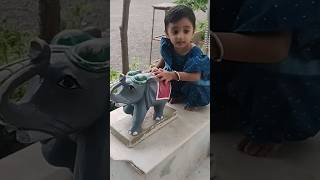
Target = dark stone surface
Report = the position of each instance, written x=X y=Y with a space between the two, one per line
x=8 y=143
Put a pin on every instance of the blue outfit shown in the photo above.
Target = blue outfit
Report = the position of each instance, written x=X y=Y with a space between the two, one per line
x=271 y=102
x=194 y=93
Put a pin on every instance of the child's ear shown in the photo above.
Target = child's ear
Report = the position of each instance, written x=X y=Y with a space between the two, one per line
x=165 y=32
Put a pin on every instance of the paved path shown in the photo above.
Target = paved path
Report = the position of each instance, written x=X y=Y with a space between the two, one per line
x=139 y=30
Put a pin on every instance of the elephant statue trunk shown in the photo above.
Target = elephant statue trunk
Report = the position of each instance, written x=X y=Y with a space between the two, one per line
x=16 y=73
x=19 y=72
x=116 y=89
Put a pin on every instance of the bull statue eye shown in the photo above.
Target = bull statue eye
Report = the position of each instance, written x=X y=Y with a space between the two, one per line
x=68 y=82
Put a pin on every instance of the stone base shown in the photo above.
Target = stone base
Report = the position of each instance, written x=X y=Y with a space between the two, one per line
x=29 y=164
x=119 y=126
x=174 y=152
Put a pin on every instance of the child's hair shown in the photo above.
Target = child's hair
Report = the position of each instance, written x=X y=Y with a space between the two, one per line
x=178 y=12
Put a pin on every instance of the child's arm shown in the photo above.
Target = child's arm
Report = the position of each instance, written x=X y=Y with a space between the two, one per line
x=159 y=65
x=254 y=48
x=179 y=76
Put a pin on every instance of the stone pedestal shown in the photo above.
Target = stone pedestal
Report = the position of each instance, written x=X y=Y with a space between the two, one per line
x=120 y=125
x=172 y=152
x=29 y=164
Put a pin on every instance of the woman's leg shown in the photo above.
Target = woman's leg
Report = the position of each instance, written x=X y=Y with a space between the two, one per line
x=276 y=108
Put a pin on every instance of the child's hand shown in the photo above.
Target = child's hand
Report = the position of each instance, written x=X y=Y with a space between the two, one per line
x=153 y=69
x=164 y=75
x=157 y=71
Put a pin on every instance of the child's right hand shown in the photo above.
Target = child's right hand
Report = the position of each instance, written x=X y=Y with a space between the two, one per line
x=154 y=69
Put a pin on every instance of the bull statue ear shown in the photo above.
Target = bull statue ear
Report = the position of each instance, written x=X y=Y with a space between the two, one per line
x=39 y=50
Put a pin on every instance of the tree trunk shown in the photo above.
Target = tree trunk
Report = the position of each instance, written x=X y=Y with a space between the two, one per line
x=124 y=36
x=49 y=11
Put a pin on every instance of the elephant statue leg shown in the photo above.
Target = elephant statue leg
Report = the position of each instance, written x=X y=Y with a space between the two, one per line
x=128 y=109
x=59 y=152
x=158 y=111
x=139 y=114
x=81 y=153
x=91 y=161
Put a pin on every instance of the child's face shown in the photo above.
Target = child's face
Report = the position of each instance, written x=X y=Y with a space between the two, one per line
x=180 y=33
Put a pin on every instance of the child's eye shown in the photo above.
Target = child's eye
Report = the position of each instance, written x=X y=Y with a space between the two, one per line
x=186 y=31
x=175 y=32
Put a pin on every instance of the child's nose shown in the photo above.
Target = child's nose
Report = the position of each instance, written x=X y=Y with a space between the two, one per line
x=180 y=35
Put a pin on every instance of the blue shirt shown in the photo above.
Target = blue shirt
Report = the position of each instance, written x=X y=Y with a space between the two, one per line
x=194 y=61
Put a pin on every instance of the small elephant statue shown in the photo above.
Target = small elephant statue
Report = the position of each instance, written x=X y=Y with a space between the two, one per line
x=139 y=91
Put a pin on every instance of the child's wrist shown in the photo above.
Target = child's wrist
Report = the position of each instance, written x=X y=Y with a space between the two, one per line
x=176 y=76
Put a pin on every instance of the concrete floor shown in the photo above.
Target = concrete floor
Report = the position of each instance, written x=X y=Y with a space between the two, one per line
x=202 y=172
x=292 y=161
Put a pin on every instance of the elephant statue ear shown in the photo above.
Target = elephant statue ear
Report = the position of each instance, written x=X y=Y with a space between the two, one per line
x=133 y=73
x=92 y=55
x=39 y=50
x=71 y=37
x=93 y=31
x=141 y=78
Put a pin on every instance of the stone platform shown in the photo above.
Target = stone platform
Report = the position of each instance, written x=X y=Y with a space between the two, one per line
x=29 y=164
x=119 y=126
x=173 y=152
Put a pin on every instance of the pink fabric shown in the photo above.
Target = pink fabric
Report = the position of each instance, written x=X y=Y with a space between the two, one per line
x=164 y=90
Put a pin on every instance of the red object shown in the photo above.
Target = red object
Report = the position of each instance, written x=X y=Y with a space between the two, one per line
x=164 y=90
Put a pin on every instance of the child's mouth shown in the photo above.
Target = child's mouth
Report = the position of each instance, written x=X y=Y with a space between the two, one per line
x=180 y=43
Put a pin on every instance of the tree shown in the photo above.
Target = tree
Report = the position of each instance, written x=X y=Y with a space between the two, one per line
x=49 y=12
x=194 y=4
x=124 y=36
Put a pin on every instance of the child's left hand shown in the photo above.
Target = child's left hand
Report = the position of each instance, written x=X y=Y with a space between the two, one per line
x=164 y=75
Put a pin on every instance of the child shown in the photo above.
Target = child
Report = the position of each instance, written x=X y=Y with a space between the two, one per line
x=183 y=63
x=269 y=81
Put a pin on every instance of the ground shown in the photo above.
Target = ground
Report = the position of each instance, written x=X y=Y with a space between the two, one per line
x=292 y=161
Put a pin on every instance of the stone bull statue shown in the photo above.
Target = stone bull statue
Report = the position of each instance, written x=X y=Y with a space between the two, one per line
x=139 y=91
x=65 y=100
